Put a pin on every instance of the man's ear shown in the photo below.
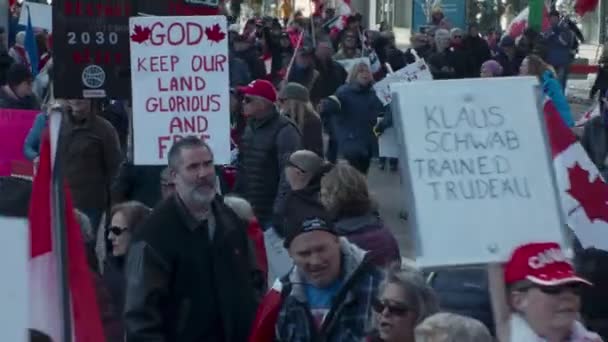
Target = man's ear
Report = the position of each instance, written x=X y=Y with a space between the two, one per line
x=172 y=173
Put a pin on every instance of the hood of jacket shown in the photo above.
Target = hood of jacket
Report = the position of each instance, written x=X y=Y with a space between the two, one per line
x=349 y=225
x=353 y=258
x=521 y=331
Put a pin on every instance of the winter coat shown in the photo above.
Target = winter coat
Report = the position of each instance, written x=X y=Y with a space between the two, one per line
x=304 y=76
x=441 y=65
x=595 y=142
x=312 y=135
x=479 y=52
x=353 y=127
x=118 y=117
x=601 y=81
x=521 y=331
x=5 y=62
x=8 y=100
x=90 y=155
x=256 y=67
x=31 y=146
x=331 y=76
x=464 y=291
x=265 y=146
x=553 y=89
x=137 y=183
x=559 y=42
x=239 y=72
x=115 y=281
x=510 y=67
x=350 y=315
x=369 y=233
x=330 y=108
x=184 y=286
x=460 y=59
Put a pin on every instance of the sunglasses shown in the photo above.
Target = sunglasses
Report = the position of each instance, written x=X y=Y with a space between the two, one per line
x=290 y=163
x=117 y=230
x=576 y=289
x=394 y=309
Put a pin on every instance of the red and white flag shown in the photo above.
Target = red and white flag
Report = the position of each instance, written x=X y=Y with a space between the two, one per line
x=263 y=328
x=584 y=194
x=588 y=115
x=519 y=24
x=44 y=265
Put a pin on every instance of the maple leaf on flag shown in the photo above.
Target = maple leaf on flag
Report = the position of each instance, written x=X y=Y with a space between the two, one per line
x=592 y=196
x=214 y=33
x=141 y=34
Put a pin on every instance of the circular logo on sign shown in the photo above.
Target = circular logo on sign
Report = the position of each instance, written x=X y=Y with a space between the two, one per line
x=93 y=76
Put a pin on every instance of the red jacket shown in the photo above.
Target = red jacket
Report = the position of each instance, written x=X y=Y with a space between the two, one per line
x=254 y=232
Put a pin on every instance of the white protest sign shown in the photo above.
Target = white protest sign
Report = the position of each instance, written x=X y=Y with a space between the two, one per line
x=348 y=64
x=41 y=14
x=14 y=289
x=417 y=71
x=477 y=169
x=179 y=75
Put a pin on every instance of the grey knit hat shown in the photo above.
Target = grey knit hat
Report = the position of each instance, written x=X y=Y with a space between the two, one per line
x=294 y=91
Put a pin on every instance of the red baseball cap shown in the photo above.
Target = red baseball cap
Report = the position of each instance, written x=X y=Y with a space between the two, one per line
x=543 y=264
x=260 y=88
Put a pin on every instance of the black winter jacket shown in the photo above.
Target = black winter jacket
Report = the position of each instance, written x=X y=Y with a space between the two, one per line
x=182 y=286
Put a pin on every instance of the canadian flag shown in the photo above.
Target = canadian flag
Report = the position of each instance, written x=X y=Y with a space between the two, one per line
x=266 y=317
x=44 y=265
x=584 y=194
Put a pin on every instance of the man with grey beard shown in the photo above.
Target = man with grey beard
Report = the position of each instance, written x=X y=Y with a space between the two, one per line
x=190 y=273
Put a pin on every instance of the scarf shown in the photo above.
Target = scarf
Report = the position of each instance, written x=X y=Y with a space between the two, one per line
x=521 y=331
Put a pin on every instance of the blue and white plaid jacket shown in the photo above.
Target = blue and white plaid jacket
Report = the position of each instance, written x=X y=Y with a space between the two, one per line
x=348 y=319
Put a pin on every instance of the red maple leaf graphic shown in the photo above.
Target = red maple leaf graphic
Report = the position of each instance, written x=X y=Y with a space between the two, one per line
x=215 y=34
x=141 y=34
x=592 y=196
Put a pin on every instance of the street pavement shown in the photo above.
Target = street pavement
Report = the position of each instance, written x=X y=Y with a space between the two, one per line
x=387 y=190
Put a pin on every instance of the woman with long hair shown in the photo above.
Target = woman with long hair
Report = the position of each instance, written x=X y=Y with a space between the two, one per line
x=353 y=126
x=294 y=102
x=345 y=195
x=534 y=65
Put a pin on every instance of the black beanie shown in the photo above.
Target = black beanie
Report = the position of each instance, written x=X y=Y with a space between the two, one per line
x=308 y=217
x=17 y=74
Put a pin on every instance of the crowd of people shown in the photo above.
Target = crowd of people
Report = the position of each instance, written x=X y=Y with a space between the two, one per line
x=287 y=243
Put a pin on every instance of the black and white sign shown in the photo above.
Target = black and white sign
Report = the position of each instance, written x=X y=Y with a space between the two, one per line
x=91 y=48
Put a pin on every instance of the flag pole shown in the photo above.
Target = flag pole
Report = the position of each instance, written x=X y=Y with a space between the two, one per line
x=59 y=226
x=312 y=24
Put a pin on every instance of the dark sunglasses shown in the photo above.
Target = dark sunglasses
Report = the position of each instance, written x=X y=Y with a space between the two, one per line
x=576 y=289
x=117 y=230
x=290 y=163
x=394 y=309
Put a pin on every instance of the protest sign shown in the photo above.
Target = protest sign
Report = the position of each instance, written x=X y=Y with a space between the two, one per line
x=349 y=63
x=180 y=85
x=417 y=71
x=477 y=169
x=14 y=256
x=388 y=144
x=14 y=126
x=42 y=15
x=91 y=49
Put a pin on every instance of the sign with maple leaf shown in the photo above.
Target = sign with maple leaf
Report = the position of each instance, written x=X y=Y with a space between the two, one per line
x=584 y=194
x=140 y=34
x=215 y=34
x=180 y=82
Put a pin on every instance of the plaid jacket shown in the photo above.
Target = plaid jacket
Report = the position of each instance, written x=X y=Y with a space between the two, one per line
x=349 y=317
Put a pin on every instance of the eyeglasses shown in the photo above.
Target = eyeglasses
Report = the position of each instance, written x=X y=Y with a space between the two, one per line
x=117 y=230
x=575 y=289
x=394 y=309
x=290 y=163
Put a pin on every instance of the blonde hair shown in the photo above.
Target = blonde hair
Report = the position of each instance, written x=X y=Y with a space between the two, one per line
x=354 y=72
x=448 y=327
x=345 y=192
x=300 y=111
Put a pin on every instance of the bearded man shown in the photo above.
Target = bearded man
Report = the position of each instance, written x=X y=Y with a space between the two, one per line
x=190 y=276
